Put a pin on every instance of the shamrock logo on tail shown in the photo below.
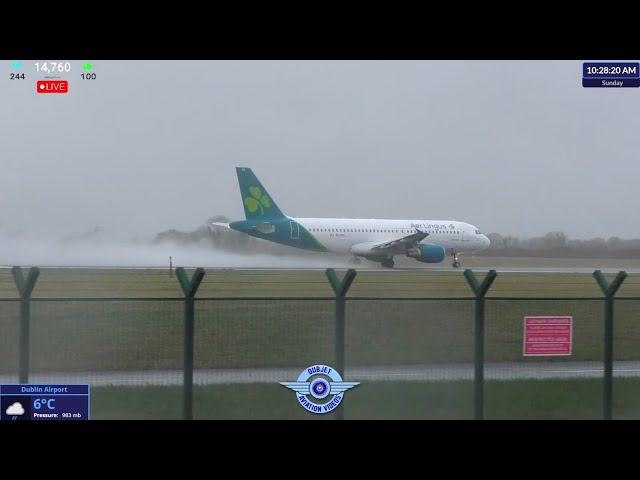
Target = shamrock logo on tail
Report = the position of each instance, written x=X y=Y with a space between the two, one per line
x=257 y=200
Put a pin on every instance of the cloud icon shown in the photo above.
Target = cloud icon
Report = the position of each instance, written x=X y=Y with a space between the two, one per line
x=15 y=409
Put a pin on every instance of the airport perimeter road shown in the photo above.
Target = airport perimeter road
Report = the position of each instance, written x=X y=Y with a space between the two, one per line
x=434 y=372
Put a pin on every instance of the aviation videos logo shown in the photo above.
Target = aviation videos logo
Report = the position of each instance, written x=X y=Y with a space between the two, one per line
x=321 y=383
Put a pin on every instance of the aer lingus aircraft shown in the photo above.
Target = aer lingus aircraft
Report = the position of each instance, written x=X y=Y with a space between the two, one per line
x=427 y=241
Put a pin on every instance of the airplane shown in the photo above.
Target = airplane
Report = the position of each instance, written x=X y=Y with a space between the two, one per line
x=377 y=240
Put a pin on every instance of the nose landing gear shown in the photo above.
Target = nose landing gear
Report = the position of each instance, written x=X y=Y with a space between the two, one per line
x=456 y=263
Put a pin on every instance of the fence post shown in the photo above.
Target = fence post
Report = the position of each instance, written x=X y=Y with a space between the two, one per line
x=609 y=291
x=25 y=288
x=189 y=288
x=479 y=290
x=340 y=289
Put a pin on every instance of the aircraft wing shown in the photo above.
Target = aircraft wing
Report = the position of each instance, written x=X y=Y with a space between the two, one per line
x=213 y=225
x=397 y=246
x=401 y=244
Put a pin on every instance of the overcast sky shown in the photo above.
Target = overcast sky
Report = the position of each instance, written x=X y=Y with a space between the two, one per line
x=513 y=147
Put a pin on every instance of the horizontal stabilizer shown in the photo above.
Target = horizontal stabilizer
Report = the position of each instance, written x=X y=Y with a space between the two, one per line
x=215 y=225
x=265 y=227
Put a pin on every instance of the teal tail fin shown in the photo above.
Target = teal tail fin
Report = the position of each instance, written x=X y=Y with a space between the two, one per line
x=258 y=204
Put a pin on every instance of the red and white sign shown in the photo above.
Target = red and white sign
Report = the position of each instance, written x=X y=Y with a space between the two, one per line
x=547 y=336
x=52 y=86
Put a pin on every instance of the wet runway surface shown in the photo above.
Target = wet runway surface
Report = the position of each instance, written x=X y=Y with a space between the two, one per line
x=431 y=372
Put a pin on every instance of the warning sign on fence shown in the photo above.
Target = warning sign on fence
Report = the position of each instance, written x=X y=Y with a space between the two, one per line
x=547 y=336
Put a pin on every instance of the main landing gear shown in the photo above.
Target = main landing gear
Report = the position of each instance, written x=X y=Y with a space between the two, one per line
x=355 y=260
x=387 y=263
x=456 y=263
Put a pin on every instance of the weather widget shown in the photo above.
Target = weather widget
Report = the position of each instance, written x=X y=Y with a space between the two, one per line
x=24 y=401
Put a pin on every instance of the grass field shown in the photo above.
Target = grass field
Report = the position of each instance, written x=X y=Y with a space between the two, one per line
x=430 y=326
x=453 y=400
x=423 y=283
x=132 y=335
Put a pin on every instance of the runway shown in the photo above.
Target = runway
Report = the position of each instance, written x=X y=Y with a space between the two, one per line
x=434 y=372
x=542 y=270
x=360 y=268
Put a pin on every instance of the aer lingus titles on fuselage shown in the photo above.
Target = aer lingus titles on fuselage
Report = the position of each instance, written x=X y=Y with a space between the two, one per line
x=378 y=240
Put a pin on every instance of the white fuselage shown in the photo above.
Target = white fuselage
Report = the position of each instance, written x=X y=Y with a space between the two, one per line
x=340 y=234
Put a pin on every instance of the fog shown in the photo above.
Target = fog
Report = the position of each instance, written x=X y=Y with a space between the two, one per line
x=43 y=253
x=514 y=147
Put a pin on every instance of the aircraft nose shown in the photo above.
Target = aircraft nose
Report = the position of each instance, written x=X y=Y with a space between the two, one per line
x=486 y=241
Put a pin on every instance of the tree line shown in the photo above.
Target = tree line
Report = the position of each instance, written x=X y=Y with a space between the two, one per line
x=558 y=245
